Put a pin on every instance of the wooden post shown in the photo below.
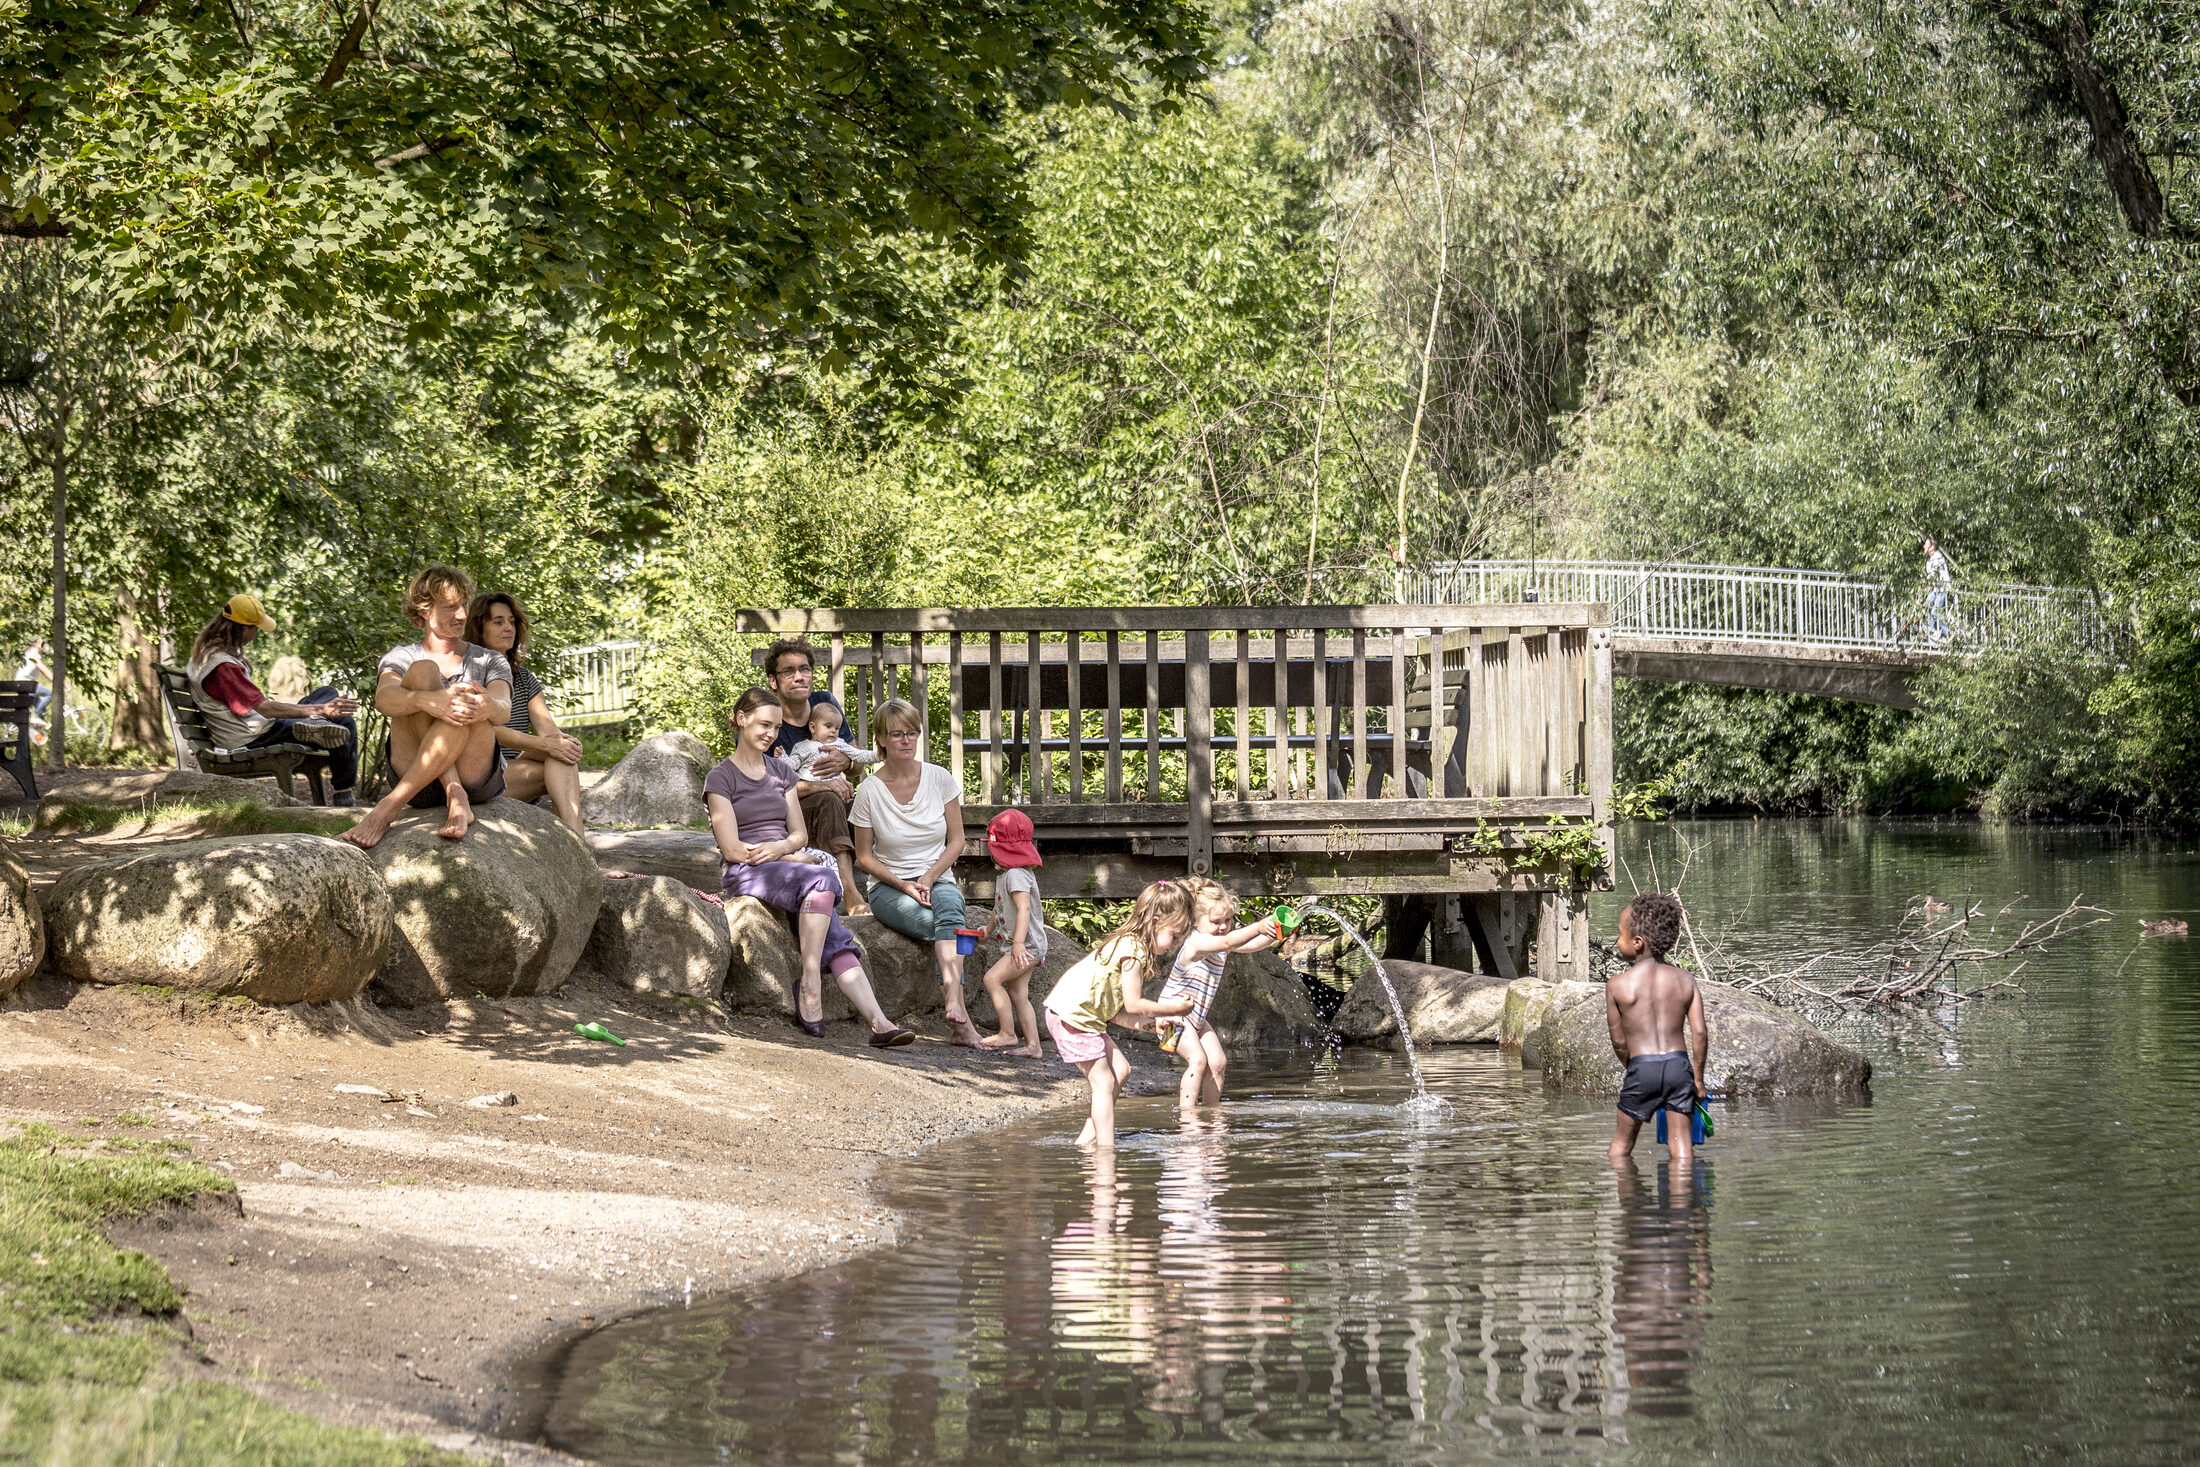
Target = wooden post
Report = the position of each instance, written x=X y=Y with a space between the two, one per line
x=1476 y=759
x=955 y=708
x=1075 y=718
x=1279 y=721
x=1199 y=772
x=1318 y=783
x=1516 y=685
x=1153 y=715
x=882 y=683
x=1358 y=789
x=1038 y=774
x=995 y=794
x=919 y=695
x=1244 y=714
x=1115 y=720
x=1599 y=714
x=833 y=683
x=1398 y=790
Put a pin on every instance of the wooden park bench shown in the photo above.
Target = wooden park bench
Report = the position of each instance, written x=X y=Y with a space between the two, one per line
x=193 y=742
x=17 y=699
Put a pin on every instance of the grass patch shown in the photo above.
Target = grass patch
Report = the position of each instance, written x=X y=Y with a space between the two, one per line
x=15 y=827
x=212 y=817
x=85 y=1332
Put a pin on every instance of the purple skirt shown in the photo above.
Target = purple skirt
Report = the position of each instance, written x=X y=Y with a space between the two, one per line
x=785 y=884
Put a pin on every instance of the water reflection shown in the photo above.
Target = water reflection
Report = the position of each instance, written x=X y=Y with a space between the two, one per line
x=1951 y=1272
x=1661 y=1287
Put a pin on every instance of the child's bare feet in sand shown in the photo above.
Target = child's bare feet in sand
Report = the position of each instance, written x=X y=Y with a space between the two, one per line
x=461 y=816
x=1029 y=1051
x=966 y=1033
x=999 y=1041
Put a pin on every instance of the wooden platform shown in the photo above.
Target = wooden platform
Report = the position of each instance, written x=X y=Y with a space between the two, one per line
x=1283 y=751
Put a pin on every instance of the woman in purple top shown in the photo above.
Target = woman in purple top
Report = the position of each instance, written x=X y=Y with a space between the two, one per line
x=756 y=817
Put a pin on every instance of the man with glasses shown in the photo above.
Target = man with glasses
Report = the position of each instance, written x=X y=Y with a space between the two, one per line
x=790 y=670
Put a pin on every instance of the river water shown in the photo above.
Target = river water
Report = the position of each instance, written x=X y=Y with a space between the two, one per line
x=1994 y=1258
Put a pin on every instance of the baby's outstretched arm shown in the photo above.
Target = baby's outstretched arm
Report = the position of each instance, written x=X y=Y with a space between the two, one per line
x=856 y=755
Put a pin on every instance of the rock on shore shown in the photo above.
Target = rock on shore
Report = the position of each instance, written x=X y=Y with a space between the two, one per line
x=767 y=963
x=22 y=927
x=280 y=919
x=1443 y=1006
x=1757 y=1048
x=505 y=912
x=1262 y=1005
x=655 y=935
x=659 y=782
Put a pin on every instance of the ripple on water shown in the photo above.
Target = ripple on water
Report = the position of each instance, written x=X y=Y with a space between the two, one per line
x=1996 y=1257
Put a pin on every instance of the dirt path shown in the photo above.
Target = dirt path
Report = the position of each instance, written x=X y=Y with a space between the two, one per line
x=395 y=1262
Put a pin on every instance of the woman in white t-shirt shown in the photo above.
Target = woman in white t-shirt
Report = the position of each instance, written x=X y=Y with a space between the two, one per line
x=908 y=828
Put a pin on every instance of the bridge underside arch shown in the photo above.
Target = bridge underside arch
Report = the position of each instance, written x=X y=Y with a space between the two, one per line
x=1858 y=675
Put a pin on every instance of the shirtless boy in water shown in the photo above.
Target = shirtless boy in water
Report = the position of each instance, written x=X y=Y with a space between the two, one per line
x=1646 y=1007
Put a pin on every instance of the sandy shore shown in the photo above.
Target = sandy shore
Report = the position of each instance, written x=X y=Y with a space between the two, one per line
x=402 y=1262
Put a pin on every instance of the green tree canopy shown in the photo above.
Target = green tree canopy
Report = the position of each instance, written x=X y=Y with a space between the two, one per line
x=701 y=176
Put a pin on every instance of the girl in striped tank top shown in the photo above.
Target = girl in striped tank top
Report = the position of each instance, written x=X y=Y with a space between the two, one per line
x=1197 y=978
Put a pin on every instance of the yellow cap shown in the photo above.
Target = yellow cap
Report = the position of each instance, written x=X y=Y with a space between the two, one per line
x=246 y=611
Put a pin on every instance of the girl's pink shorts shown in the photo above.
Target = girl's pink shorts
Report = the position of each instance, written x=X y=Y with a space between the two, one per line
x=1075 y=1045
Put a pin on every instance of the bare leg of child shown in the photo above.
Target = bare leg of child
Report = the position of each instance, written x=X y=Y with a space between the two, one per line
x=1680 y=1136
x=996 y=981
x=1625 y=1128
x=1218 y=1066
x=1019 y=993
x=1100 y=1076
x=1189 y=1050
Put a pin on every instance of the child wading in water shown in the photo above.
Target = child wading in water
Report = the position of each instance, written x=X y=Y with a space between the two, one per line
x=1197 y=977
x=1647 y=1007
x=1106 y=983
x=1018 y=917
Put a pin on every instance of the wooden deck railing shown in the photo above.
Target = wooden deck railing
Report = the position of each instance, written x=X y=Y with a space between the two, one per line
x=1231 y=715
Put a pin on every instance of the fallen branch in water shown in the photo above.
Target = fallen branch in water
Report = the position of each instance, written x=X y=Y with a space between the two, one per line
x=1923 y=963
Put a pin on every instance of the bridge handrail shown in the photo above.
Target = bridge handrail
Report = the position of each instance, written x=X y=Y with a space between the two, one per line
x=1775 y=604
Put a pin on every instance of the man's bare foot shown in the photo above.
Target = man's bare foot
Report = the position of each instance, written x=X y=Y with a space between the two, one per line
x=859 y=909
x=461 y=817
x=999 y=1041
x=368 y=833
x=1029 y=1051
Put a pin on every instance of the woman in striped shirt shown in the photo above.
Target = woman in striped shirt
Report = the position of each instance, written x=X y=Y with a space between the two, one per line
x=538 y=759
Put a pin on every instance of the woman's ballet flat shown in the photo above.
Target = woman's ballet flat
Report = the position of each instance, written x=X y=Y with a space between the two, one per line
x=893 y=1039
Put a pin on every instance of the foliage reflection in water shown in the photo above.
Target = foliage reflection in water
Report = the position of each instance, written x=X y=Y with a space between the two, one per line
x=1995 y=1257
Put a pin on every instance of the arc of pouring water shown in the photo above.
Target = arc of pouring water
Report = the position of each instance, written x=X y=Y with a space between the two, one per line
x=1421 y=1097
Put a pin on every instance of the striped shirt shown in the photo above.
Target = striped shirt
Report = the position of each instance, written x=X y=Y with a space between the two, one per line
x=524 y=687
x=1198 y=981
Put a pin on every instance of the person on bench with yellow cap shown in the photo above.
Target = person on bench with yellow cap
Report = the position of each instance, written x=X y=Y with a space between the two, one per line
x=240 y=716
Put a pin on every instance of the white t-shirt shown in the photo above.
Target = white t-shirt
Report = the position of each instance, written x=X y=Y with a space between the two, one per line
x=907 y=838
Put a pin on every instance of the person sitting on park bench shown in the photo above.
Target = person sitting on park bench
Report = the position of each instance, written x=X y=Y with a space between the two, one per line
x=445 y=698
x=240 y=716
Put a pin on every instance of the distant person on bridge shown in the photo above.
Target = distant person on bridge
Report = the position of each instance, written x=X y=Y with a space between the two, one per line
x=1647 y=1008
x=1940 y=582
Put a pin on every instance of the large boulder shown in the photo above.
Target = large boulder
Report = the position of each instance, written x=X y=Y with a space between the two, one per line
x=655 y=935
x=1757 y=1048
x=659 y=782
x=1443 y=1006
x=1262 y=1004
x=766 y=964
x=905 y=975
x=687 y=856
x=22 y=928
x=278 y=918
x=1562 y=1000
x=142 y=789
x=506 y=911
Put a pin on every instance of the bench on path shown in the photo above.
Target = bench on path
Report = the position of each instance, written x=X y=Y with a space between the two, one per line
x=17 y=700
x=193 y=741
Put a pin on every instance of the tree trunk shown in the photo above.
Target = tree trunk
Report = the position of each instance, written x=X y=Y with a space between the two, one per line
x=138 y=721
x=57 y=716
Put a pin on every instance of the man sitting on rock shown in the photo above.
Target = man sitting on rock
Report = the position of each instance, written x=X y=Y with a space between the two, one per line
x=240 y=716
x=790 y=669
x=445 y=698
